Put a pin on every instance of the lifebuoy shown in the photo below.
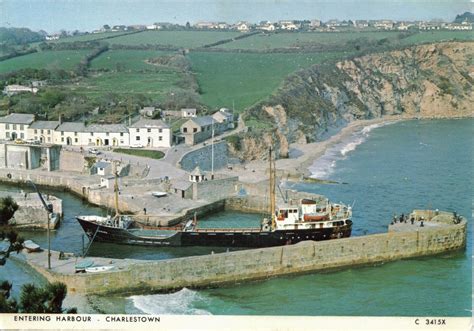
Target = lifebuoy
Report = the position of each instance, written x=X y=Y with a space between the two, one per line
x=9 y=176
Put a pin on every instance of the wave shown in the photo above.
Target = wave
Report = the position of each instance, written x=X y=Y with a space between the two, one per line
x=178 y=303
x=325 y=165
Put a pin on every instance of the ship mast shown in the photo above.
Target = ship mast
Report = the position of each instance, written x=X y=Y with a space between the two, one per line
x=116 y=191
x=272 y=190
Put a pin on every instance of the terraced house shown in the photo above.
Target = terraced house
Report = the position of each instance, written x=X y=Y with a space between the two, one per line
x=43 y=131
x=150 y=133
x=15 y=126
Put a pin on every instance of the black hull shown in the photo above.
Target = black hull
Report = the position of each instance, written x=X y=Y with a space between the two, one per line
x=203 y=237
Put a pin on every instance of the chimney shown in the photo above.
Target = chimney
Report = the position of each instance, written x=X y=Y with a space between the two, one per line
x=60 y=119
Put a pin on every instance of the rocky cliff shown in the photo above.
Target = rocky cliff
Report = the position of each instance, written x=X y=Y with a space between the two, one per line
x=432 y=80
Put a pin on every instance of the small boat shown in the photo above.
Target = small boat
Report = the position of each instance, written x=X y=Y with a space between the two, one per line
x=81 y=266
x=100 y=268
x=31 y=246
x=159 y=194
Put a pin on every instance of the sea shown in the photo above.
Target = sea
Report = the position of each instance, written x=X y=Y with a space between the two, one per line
x=381 y=170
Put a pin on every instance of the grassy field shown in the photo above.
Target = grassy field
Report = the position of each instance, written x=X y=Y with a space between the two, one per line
x=186 y=39
x=88 y=37
x=66 y=60
x=246 y=78
x=141 y=152
x=122 y=60
x=435 y=36
x=154 y=85
x=294 y=39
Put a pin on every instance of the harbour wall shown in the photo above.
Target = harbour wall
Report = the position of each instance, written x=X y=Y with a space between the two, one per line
x=202 y=157
x=31 y=212
x=239 y=266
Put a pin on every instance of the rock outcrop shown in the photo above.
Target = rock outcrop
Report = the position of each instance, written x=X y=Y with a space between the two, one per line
x=433 y=80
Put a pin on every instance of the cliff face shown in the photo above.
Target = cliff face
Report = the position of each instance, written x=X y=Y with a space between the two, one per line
x=429 y=80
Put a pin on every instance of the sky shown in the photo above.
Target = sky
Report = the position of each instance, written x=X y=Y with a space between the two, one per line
x=87 y=15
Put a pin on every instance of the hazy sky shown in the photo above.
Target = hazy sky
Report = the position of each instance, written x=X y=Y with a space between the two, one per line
x=54 y=15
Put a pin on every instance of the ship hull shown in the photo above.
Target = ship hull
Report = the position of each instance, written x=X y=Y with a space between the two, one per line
x=212 y=237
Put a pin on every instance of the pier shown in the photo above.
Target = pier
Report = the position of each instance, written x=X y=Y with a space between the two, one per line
x=441 y=232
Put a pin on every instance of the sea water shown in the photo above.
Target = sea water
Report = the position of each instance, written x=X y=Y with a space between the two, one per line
x=386 y=170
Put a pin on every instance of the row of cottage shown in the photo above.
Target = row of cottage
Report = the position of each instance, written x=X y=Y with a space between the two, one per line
x=143 y=133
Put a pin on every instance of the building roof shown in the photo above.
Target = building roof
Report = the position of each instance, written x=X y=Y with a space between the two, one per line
x=149 y=123
x=203 y=120
x=50 y=125
x=189 y=110
x=112 y=128
x=71 y=127
x=197 y=172
x=102 y=164
x=16 y=118
x=182 y=185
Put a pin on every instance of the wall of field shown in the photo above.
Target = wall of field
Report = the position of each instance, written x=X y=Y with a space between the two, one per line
x=210 y=270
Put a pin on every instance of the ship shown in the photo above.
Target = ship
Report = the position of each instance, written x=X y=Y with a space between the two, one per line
x=290 y=223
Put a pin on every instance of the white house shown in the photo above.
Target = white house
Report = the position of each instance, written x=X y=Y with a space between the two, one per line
x=16 y=89
x=147 y=111
x=188 y=112
x=243 y=26
x=70 y=133
x=43 y=131
x=106 y=135
x=289 y=25
x=15 y=126
x=150 y=133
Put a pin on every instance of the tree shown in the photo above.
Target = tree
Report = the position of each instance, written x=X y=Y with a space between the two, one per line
x=8 y=207
x=106 y=27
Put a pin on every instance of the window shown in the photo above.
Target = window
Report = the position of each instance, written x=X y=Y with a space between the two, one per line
x=62 y=139
x=42 y=131
x=22 y=135
x=185 y=129
x=8 y=134
x=14 y=126
x=49 y=131
x=107 y=134
x=49 y=139
x=160 y=138
x=62 y=134
x=160 y=130
x=148 y=130
x=36 y=137
x=121 y=134
x=137 y=138
x=92 y=134
x=36 y=131
x=121 y=141
x=75 y=140
x=7 y=126
x=22 y=127
x=138 y=130
x=195 y=130
x=75 y=134
x=90 y=140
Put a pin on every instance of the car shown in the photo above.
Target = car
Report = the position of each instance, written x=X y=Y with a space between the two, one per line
x=19 y=141
x=94 y=151
x=136 y=146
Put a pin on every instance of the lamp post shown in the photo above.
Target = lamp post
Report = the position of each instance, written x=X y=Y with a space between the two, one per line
x=49 y=209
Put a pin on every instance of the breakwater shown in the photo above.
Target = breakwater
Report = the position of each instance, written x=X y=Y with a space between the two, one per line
x=439 y=234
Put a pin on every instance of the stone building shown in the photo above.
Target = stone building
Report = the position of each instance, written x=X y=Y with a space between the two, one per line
x=150 y=133
x=15 y=126
x=43 y=131
x=70 y=133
